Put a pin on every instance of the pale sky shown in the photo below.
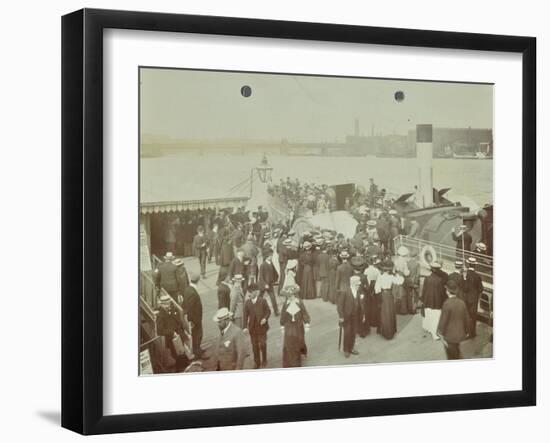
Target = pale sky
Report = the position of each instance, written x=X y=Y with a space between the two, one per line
x=209 y=105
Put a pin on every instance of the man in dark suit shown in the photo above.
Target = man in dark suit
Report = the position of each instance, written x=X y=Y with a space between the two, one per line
x=433 y=289
x=238 y=265
x=200 y=249
x=348 y=306
x=230 y=349
x=458 y=276
x=256 y=315
x=453 y=323
x=267 y=278
x=473 y=289
x=224 y=293
x=444 y=277
x=170 y=324
x=167 y=276
x=343 y=273
x=226 y=256
x=321 y=284
x=192 y=306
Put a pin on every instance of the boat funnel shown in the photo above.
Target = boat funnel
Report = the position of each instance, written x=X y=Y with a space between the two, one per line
x=424 y=154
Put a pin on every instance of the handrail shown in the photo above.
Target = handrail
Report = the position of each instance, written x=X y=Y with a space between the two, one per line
x=448 y=253
x=148 y=342
x=435 y=245
x=151 y=293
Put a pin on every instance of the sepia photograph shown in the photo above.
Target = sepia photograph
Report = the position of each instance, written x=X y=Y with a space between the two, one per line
x=290 y=220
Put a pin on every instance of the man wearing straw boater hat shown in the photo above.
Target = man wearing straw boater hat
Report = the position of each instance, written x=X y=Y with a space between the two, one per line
x=474 y=289
x=230 y=349
x=170 y=324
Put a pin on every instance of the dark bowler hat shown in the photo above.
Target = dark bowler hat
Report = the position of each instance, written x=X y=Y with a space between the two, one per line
x=387 y=265
x=452 y=286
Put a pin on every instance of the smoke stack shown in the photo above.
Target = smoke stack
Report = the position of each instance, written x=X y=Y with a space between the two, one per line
x=424 y=152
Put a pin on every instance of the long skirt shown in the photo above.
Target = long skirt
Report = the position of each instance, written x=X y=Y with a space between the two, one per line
x=307 y=283
x=373 y=310
x=403 y=300
x=388 y=320
x=293 y=348
x=431 y=320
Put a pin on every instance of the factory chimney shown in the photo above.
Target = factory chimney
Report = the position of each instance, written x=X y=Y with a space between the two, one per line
x=424 y=152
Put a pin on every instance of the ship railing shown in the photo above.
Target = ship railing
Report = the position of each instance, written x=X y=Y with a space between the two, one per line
x=447 y=255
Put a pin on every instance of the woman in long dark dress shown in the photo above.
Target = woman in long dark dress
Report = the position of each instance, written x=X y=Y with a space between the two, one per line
x=295 y=321
x=372 y=300
x=305 y=273
x=332 y=265
x=384 y=287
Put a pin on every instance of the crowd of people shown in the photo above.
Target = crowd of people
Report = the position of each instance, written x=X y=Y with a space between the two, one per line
x=267 y=269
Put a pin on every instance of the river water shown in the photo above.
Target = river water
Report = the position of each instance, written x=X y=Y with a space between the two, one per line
x=184 y=176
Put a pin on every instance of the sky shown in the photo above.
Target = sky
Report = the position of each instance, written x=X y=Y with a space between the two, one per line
x=187 y=104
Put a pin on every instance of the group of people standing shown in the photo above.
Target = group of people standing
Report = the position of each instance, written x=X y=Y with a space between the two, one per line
x=267 y=269
x=450 y=304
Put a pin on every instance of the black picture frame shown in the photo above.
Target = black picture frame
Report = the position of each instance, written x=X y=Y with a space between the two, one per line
x=82 y=218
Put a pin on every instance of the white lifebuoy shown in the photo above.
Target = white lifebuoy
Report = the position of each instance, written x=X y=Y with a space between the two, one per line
x=425 y=250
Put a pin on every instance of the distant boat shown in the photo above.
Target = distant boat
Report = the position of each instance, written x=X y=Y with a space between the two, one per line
x=481 y=152
x=474 y=156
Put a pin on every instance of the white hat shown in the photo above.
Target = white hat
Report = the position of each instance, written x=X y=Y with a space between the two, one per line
x=403 y=251
x=481 y=246
x=435 y=265
x=178 y=261
x=221 y=314
x=307 y=245
x=291 y=264
x=169 y=256
x=238 y=277
x=392 y=212
x=472 y=260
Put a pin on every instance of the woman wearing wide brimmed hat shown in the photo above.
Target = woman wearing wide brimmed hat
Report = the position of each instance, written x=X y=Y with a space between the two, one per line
x=305 y=272
x=294 y=322
x=384 y=287
x=291 y=270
